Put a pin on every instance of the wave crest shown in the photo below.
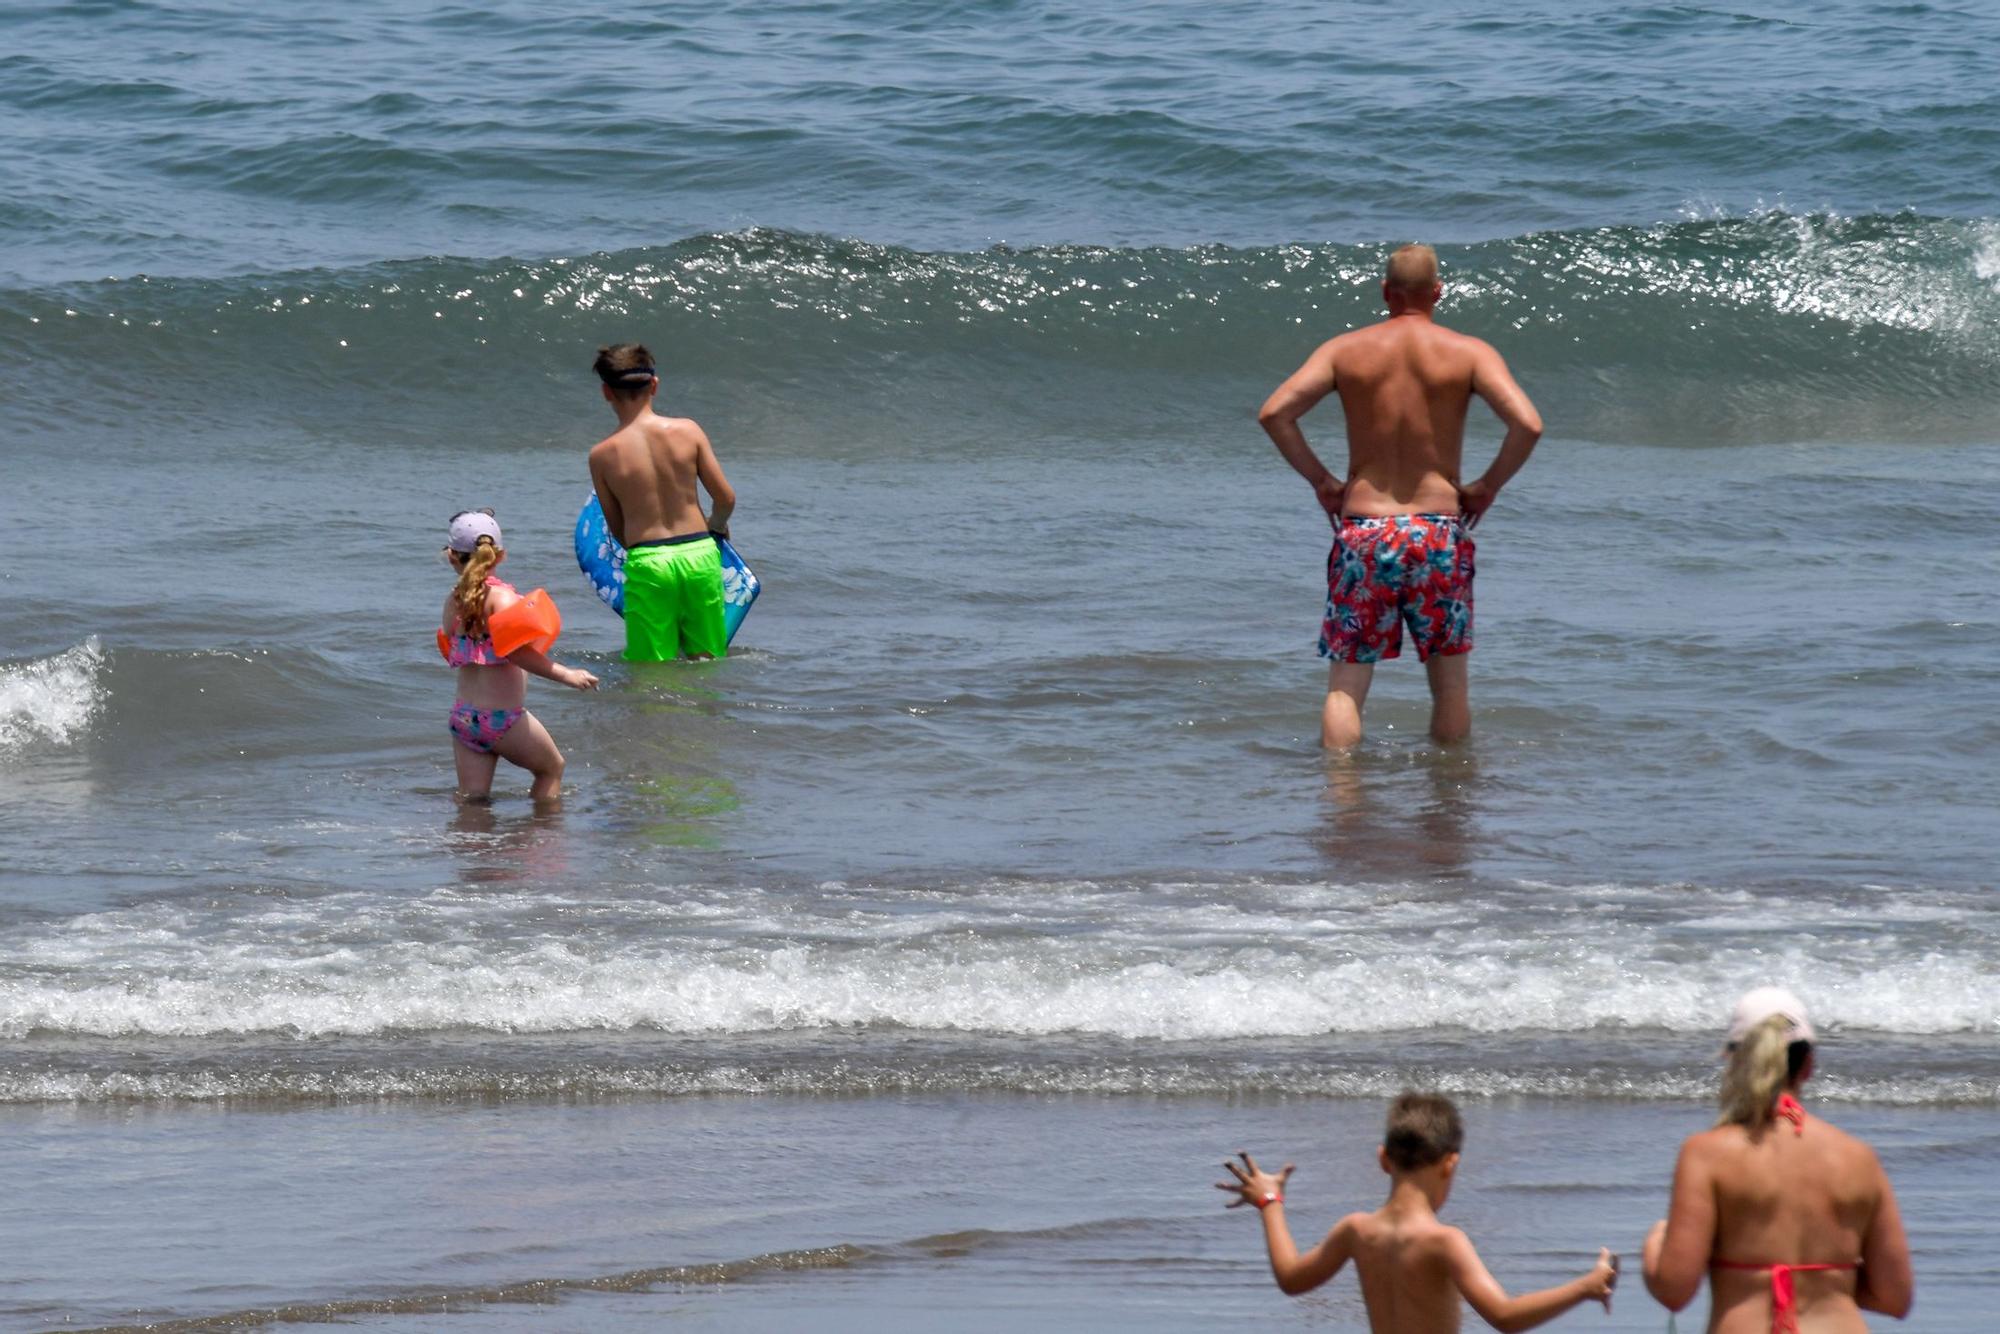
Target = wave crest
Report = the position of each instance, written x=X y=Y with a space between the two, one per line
x=51 y=700
x=1770 y=326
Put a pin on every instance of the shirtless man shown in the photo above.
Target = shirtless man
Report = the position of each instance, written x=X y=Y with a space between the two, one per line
x=645 y=474
x=1402 y=550
x=1415 y=1272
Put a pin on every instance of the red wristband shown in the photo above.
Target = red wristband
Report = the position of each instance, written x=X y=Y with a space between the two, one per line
x=1267 y=1201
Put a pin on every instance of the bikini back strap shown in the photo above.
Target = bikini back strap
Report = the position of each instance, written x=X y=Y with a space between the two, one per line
x=1784 y=1293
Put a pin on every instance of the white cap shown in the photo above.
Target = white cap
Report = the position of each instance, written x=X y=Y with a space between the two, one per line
x=467 y=528
x=1760 y=1004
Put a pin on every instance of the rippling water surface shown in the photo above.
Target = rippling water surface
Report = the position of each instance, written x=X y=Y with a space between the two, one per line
x=1008 y=811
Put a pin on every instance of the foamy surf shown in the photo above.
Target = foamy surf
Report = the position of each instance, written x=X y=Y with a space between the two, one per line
x=51 y=700
x=1181 y=962
x=862 y=1070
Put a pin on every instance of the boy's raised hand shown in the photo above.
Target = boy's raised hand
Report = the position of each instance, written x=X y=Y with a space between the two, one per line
x=1253 y=1185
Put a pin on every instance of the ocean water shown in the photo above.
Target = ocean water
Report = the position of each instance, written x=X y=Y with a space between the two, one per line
x=1006 y=824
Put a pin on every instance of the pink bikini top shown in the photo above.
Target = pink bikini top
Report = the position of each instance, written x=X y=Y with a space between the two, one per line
x=463 y=650
x=533 y=621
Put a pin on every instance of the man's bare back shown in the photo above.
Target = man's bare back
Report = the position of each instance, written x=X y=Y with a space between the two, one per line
x=645 y=474
x=1405 y=385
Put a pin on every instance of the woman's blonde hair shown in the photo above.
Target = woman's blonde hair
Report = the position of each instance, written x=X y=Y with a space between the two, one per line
x=470 y=595
x=1760 y=1065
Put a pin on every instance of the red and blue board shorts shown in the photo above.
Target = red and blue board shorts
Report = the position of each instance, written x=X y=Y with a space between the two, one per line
x=1384 y=573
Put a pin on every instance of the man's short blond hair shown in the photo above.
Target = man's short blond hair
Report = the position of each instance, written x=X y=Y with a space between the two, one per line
x=1414 y=269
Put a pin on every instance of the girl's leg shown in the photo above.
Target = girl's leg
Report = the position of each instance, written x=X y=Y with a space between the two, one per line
x=475 y=771
x=528 y=744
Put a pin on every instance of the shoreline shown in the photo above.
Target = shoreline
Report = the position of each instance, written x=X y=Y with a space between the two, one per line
x=885 y=1212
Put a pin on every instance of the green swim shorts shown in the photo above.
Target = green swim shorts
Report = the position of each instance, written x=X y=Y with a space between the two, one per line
x=673 y=600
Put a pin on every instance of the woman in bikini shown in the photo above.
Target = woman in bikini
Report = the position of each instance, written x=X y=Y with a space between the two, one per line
x=1792 y=1220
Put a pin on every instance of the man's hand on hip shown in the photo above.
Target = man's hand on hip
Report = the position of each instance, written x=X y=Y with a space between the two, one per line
x=1332 y=493
x=1474 y=498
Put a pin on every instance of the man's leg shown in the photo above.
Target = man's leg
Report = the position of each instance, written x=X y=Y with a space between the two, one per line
x=1346 y=691
x=1451 y=706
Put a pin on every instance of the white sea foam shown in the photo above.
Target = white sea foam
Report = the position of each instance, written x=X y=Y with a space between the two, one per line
x=848 y=1077
x=1986 y=255
x=361 y=965
x=51 y=700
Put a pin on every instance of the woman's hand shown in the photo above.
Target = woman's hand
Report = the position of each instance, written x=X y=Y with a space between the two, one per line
x=1254 y=1185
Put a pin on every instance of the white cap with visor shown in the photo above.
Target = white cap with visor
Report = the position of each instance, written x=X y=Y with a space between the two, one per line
x=469 y=526
x=1760 y=1004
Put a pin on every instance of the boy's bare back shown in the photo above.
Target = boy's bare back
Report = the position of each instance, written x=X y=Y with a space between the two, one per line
x=1407 y=1270
x=645 y=474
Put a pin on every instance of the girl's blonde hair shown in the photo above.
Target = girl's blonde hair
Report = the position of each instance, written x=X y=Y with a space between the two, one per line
x=1760 y=1065
x=470 y=595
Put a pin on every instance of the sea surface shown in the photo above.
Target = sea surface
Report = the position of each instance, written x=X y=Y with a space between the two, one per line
x=918 y=964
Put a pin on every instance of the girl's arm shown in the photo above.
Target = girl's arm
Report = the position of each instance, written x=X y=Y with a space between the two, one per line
x=532 y=660
x=537 y=663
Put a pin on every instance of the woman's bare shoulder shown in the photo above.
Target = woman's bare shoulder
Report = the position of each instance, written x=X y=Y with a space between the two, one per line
x=1848 y=1146
x=1714 y=1143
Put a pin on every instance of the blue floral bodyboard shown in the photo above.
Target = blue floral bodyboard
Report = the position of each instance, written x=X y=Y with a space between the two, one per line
x=602 y=561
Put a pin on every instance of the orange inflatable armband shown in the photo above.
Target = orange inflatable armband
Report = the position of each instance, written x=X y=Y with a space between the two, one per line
x=444 y=647
x=533 y=622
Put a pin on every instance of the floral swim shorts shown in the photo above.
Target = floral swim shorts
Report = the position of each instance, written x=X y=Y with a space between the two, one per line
x=1385 y=572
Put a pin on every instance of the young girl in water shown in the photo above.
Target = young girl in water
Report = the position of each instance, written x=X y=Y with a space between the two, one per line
x=495 y=637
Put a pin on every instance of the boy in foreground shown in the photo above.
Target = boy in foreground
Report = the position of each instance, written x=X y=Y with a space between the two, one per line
x=645 y=474
x=1413 y=1268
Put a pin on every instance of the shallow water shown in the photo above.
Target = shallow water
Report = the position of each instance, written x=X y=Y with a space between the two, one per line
x=1009 y=799
x=724 y=1213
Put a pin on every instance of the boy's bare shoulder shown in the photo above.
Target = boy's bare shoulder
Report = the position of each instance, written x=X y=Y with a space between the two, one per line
x=610 y=444
x=683 y=428
x=1435 y=1239
x=1354 y=1225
